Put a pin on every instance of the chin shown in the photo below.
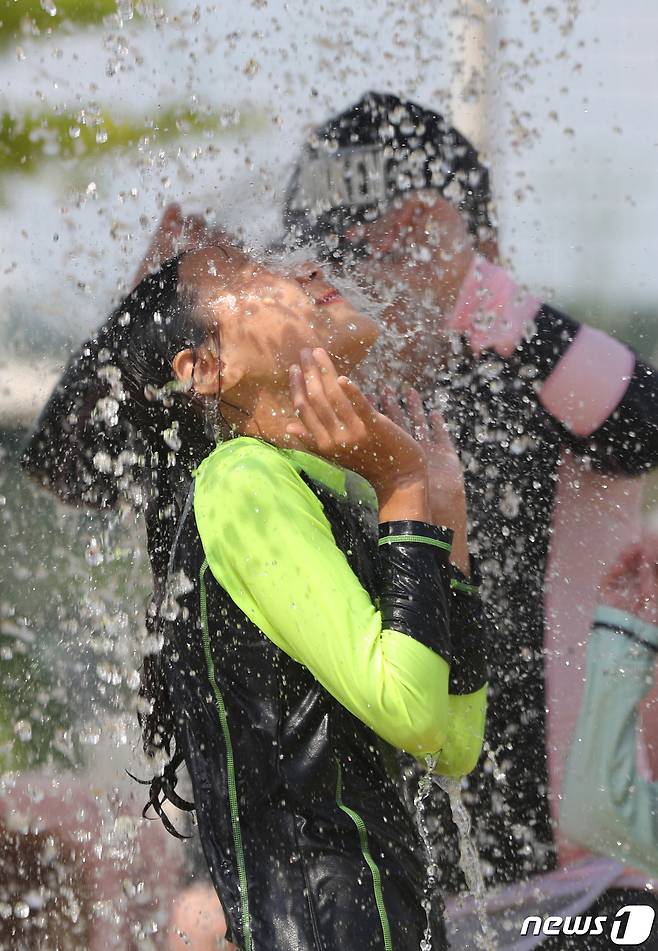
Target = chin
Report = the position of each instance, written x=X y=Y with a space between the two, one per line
x=354 y=346
x=351 y=353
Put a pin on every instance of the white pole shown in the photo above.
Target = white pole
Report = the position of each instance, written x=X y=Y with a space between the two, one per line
x=472 y=35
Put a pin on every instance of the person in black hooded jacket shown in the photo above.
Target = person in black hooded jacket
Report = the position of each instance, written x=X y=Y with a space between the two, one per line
x=552 y=421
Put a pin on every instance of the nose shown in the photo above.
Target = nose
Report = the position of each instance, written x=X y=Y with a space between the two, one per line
x=308 y=271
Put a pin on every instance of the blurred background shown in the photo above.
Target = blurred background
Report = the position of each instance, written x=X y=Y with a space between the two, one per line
x=109 y=110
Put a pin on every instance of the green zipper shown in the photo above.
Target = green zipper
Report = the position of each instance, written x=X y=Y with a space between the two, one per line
x=423 y=539
x=230 y=766
x=464 y=587
x=372 y=865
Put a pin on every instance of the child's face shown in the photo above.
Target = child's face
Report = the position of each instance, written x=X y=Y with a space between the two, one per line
x=262 y=318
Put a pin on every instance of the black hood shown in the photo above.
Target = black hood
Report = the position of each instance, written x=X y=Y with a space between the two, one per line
x=382 y=147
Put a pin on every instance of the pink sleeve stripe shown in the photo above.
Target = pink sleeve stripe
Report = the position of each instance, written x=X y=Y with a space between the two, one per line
x=492 y=311
x=588 y=382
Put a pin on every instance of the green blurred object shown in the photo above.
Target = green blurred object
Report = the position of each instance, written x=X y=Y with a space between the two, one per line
x=29 y=140
x=19 y=18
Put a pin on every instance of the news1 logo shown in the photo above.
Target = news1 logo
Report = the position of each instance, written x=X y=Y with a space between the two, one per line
x=631 y=925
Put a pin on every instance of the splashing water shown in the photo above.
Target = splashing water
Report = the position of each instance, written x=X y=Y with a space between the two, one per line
x=469 y=860
x=424 y=789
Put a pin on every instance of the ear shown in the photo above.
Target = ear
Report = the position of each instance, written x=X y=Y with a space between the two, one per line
x=182 y=365
x=203 y=371
x=198 y=369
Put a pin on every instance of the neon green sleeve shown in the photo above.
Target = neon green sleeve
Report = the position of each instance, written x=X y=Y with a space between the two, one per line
x=269 y=545
x=467 y=714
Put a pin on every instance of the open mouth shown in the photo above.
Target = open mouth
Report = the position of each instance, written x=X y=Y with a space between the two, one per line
x=328 y=298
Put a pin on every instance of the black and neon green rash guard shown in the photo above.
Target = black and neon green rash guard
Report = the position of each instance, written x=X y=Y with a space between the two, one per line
x=293 y=642
x=273 y=551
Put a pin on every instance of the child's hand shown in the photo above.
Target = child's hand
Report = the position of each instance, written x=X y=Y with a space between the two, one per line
x=175 y=233
x=337 y=421
x=445 y=474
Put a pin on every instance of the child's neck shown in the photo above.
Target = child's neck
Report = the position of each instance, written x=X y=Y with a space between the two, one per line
x=265 y=412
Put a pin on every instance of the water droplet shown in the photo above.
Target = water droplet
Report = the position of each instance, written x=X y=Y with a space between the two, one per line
x=49 y=7
x=23 y=730
x=90 y=736
x=106 y=411
x=103 y=462
x=93 y=552
x=421 y=254
x=21 y=908
x=125 y=9
x=172 y=438
x=519 y=445
x=108 y=673
x=510 y=502
x=34 y=899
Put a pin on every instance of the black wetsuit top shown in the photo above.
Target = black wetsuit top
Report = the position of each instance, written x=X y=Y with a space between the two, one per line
x=508 y=441
x=307 y=841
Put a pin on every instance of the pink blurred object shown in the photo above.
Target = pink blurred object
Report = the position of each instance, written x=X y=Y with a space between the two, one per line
x=492 y=312
x=589 y=381
x=127 y=868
